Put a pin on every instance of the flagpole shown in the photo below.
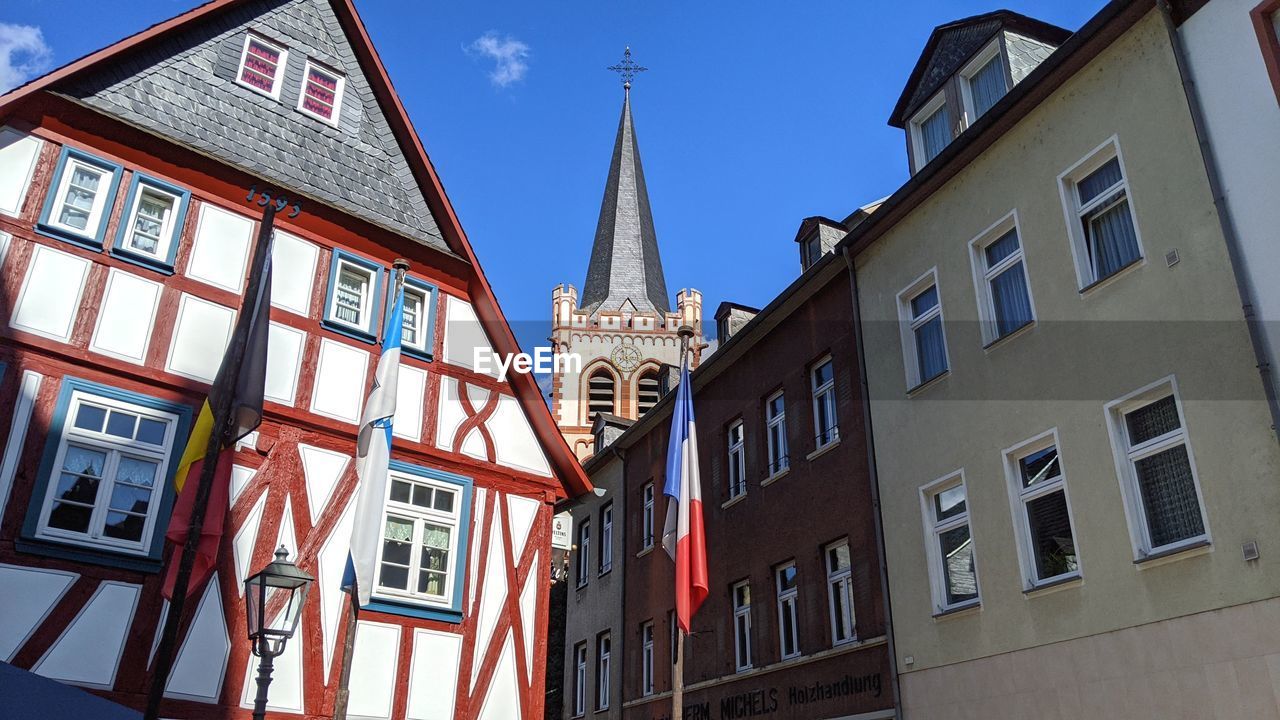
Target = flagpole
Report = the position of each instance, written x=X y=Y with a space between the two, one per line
x=400 y=267
x=223 y=399
x=677 y=674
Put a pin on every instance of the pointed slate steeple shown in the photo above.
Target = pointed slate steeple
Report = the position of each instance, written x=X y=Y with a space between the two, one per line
x=625 y=265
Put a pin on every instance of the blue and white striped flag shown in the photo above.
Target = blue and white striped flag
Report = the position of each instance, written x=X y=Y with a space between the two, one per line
x=373 y=455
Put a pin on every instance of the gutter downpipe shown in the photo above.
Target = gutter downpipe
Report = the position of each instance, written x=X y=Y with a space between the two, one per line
x=875 y=484
x=1244 y=286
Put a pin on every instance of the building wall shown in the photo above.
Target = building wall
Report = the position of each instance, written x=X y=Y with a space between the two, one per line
x=92 y=620
x=1242 y=118
x=1085 y=349
x=596 y=607
x=822 y=498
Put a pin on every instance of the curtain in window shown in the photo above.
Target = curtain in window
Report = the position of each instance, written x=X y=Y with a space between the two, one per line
x=931 y=349
x=1169 y=496
x=1101 y=179
x=987 y=87
x=935 y=133
x=1112 y=240
x=1011 y=300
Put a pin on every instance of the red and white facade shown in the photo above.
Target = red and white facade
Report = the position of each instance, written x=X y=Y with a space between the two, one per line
x=82 y=324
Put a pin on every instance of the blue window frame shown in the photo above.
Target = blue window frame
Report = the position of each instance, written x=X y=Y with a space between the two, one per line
x=422 y=560
x=151 y=223
x=351 y=304
x=418 y=337
x=80 y=199
x=114 y=454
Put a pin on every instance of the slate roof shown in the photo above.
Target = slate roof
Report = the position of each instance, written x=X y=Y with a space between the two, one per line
x=624 y=257
x=183 y=87
x=951 y=45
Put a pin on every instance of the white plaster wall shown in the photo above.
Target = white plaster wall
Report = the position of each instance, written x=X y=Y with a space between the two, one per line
x=1243 y=121
x=50 y=294
x=18 y=155
x=220 y=250
x=125 y=316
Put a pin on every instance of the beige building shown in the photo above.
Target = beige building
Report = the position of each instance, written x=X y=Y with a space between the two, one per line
x=1080 y=485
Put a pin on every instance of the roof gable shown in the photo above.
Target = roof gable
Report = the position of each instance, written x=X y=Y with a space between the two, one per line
x=951 y=45
x=183 y=87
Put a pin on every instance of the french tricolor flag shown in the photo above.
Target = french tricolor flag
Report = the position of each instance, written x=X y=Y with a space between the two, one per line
x=683 y=536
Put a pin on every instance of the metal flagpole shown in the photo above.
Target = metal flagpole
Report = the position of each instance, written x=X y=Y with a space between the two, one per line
x=401 y=266
x=677 y=674
x=222 y=398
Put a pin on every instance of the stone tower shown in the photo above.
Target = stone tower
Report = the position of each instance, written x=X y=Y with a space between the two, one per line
x=622 y=327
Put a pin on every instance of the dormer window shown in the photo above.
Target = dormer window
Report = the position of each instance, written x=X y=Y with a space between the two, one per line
x=931 y=130
x=321 y=95
x=983 y=82
x=261 y=66
x=811 y=250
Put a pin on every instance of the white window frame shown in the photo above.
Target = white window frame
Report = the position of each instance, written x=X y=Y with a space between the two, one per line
x=112 y=446
x=824 y=395
x=420 y=516
x=97 y=212
x=979 y=61
x=341 y=84
x=936 y=103
x=580 y=679
x=983 y=275
x=1074 y=212
x=604 y=657
x=736 y=456
x=584 y=552
x=741 y=626
x=788 y=610
x=779 y=458
x=1019 y=497
x=276 y=82
x=646 y=532
x=908 y=323
x=167 y=234
x=606 y=538
x=646 y=658
x=367 y=302
x=840 y=581
x=420 y=327
x=933 y=530
x=1125 y=456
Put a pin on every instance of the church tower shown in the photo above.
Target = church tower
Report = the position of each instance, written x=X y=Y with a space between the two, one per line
x=622 y=326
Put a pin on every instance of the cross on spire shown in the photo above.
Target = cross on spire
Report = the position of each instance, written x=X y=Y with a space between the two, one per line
x=628 y=69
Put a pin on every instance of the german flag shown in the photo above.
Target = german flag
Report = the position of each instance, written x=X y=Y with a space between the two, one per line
x=246 y=391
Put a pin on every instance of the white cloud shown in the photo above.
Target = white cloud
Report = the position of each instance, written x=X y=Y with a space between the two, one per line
x=510 y=57
x=23 y=55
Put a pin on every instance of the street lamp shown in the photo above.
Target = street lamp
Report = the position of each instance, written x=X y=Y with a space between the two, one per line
x=273 y=605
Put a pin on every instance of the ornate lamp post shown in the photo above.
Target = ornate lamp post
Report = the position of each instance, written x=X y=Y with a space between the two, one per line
x=273 y=605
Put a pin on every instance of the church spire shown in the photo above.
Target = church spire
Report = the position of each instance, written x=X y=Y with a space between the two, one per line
x=624 y=257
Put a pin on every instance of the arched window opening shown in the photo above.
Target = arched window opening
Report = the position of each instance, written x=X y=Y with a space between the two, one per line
x=648 y=391
x=600 y=393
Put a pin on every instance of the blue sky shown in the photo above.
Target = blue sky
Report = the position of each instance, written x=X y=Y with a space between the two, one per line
x=753 y=115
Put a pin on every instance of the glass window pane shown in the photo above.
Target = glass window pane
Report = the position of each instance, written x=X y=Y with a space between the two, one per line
x=124 y=526
x=931 y=349
x=822 y=374
x=1040 y=466
x=742 y=596
x=1169 y=496
x=422 y=496
x=1113 y=243
x=436 y=536
x=444 y=500
x=400 y=529
x=935 y=133
x=431 y=583
x=69 y=516
x=400 y=490
x=958 y=565
x=1153 y=420
x=84 y=461
x=1100 y=180
x=151 y=431
x=949 y=502
x=838 y=558
x=1002 y=248
x=76 y=488
x=130 y=498
x=90 y=417
x=987 y=86
x=394 y=576
x=924 y=302
x=788 y=628
x=349 y=297
x=1051 y=539
x=121 y=424
x=1010 y=300
x=786 y=578
x=776 y=406
x=136 y=471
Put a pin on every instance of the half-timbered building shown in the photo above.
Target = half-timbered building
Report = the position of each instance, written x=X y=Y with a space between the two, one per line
x=128 y=182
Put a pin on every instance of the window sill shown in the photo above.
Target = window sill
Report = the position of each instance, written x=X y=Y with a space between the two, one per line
x=605 y=571
x=823 y=450
x=1021 y=330
x=581 y=586
x=776 y=476
x=644 y=551
x=1122 y=270
x=912 y=392
x=88 y=243
x=91 y=556
x=349 y=331
x=733 y=501
x=394 y=607
x=1045 y=588
x=1174 y=554
x=160 y=266
x=970 y=608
